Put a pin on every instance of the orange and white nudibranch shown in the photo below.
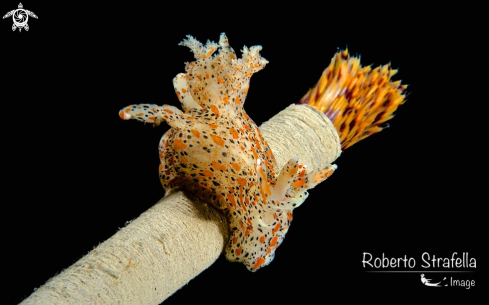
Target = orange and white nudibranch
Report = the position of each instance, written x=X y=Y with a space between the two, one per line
x=215 y=151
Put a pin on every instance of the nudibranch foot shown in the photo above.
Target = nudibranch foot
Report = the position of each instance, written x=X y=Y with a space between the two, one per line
x=254 y=242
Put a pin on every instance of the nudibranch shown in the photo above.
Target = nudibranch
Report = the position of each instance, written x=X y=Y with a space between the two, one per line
x=215 y=151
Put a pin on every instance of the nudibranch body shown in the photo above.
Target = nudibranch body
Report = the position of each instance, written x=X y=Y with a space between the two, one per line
x=215 y=151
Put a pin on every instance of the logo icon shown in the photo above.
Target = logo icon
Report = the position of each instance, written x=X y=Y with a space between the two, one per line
x=20 y=17
x=428 y=283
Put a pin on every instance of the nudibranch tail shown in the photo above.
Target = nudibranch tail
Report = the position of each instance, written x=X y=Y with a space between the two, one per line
x=358 y=100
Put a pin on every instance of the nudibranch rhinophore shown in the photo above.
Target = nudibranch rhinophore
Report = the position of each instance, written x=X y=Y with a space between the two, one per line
x=215 y=151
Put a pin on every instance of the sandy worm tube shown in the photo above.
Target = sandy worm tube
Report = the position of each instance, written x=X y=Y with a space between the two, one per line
x=175 y=240
x=307 y=133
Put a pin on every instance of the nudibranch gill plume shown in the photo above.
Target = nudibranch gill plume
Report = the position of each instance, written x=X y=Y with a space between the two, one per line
x=215 y=151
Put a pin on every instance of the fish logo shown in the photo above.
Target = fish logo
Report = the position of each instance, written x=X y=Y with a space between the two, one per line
x=428 y=283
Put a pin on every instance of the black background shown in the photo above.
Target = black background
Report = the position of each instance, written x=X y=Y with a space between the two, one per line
x=74 y=172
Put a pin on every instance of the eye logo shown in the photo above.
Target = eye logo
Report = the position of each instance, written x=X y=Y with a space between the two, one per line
x=20 y=17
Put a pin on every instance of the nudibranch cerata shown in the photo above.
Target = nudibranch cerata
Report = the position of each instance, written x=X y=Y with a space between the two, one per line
x=215 y=151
